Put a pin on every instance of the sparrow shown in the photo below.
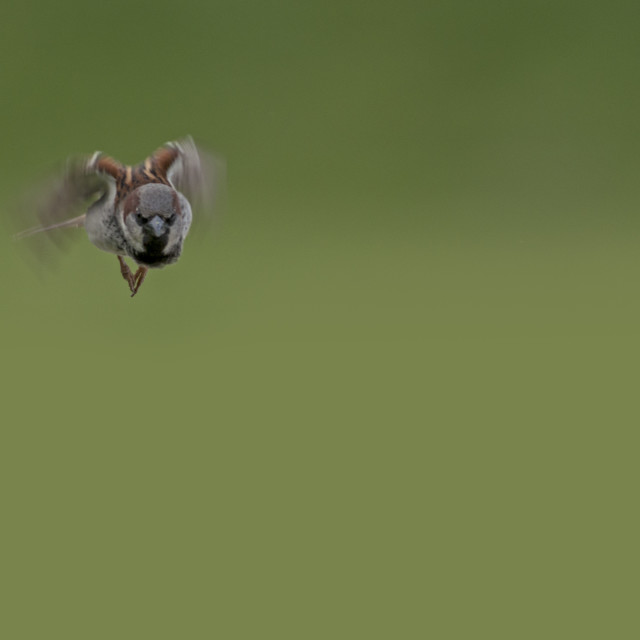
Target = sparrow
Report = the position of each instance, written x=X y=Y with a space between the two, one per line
x=138 y=212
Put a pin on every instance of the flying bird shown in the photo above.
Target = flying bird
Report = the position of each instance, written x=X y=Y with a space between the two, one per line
x=140 y=212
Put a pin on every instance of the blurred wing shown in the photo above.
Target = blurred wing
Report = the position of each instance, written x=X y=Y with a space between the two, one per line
x=57 y=204
x=198 y=173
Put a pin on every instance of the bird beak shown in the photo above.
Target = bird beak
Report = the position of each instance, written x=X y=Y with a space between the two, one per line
x=157 y=226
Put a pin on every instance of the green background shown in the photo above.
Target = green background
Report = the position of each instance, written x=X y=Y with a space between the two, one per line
x=394 y=394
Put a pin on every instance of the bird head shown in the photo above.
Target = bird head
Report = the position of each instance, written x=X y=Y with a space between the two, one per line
x=156 y=220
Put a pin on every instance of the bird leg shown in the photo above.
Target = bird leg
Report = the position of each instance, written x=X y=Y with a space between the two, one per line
x=127 y=275
x=133 y=279
x=139 y=277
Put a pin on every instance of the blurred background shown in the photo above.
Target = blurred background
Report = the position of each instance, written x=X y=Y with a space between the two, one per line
x=394 y=393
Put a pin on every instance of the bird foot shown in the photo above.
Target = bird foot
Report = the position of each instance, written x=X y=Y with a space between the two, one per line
x=134 y=280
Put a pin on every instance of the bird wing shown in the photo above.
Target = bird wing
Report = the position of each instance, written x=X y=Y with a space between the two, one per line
x=84 y=180
x=194 y=171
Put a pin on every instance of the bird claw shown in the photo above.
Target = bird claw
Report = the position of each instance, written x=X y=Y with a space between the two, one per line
x=134 y=280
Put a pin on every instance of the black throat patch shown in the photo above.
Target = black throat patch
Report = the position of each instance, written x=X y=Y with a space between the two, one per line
x=153 y=254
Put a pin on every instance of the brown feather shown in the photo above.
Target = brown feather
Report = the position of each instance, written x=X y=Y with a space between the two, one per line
x=162 y=159
x=106 y=164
